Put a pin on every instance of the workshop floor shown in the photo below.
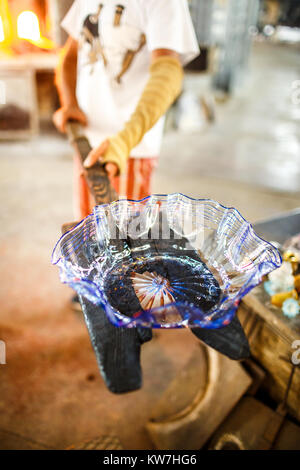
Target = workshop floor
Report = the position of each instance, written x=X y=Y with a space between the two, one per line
x=51 y=395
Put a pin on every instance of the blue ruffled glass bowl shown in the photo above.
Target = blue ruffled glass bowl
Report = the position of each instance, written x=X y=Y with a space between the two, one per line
x=166 y=261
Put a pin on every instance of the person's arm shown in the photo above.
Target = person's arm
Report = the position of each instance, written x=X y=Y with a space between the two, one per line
x=163 y=87
x=65 y=80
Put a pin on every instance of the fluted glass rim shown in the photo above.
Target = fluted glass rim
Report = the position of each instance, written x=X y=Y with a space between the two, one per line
x=121 y=320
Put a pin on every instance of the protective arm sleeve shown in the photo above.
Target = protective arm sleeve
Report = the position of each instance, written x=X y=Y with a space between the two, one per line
x=163 y=87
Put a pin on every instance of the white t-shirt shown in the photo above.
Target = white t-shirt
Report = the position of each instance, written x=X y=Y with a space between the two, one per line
x=115 y=42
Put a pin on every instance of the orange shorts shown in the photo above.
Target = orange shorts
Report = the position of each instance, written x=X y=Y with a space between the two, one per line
x=134 y=183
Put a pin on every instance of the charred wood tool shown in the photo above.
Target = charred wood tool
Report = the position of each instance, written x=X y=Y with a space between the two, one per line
x=118 y=349
x=230 y=340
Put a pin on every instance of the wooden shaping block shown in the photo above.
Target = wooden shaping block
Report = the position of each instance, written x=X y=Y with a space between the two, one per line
x=197 y=401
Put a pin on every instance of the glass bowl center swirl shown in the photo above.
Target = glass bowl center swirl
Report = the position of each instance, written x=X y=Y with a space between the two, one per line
x=151 y=289
x=155 y=281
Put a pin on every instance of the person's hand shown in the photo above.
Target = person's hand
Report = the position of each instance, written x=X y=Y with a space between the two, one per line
x=96 y=155
x=68 y=113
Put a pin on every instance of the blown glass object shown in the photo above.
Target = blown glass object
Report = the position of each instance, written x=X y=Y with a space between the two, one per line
x=166 y=261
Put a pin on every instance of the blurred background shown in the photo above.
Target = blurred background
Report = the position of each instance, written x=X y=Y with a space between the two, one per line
x=233 y=136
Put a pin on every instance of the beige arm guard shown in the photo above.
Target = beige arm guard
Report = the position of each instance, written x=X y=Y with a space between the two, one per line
x=162 y=88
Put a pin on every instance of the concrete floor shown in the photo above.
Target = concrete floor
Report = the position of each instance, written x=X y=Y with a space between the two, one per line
x=51 y=395
x=250 y=157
